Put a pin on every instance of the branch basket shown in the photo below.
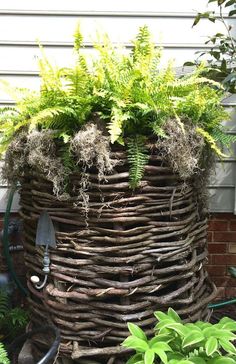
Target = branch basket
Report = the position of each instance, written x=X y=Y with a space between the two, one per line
x=130 y=254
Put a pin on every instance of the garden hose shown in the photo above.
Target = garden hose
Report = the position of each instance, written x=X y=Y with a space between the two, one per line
x=5 y=241
x=52 y=352
x=221 y=304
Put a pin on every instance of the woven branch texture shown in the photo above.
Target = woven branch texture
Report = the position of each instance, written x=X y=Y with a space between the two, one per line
x=130 y=254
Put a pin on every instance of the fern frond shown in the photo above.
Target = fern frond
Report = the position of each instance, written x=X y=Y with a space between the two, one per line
x=223 y=137
x=3 y=355
x=211 y=141
x=78 y=38
x=143 y=46
x=4 y=303
x=137 y=158
x=115 y=127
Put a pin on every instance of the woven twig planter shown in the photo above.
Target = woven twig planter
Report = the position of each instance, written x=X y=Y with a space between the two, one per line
x=136 y=252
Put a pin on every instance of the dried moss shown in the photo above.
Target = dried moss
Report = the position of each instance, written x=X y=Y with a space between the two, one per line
x=15 y=159
x=43 y=158
x=182 y=148
x=36 y=150
x=92 y=148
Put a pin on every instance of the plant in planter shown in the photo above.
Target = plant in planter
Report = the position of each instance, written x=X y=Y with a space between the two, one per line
x=118 y=152
x=124 y=100
x=176 y=342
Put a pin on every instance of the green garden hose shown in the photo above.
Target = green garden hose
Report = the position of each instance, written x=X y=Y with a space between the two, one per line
x=221 y=304
x=5 y=240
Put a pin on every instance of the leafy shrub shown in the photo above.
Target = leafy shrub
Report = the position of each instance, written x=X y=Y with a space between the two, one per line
x=222 y=52
x=176 y=342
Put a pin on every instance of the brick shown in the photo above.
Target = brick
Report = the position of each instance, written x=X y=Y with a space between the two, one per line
x=230 y=292
x=231 y=282
x=218 y=259
x=232 y=225
x=209 y=236
x=224 y=236
x=220 y=281
x=218 y=225
x=217 y=248
x=230 y=259
x=223 y=216
x=232 y=248
x=216 y=270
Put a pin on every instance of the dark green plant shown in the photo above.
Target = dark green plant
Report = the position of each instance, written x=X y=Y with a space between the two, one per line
x=127 y=95
x=3 y=355
x=176 y=342
x=222 y=53
x=12 y=320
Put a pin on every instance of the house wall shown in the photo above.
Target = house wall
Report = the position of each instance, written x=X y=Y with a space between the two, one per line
x=52 y=22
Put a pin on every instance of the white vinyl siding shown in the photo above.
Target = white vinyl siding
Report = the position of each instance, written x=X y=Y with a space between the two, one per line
x=52 y=22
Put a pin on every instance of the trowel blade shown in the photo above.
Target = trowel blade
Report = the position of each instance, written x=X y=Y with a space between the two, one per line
x=45 y=234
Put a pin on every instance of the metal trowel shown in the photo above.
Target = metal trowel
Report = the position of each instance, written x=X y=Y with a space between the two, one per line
x=45 y=236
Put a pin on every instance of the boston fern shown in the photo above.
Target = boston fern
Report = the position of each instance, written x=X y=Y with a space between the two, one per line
x=129 y=94
x=3 y=355
x=176 y=342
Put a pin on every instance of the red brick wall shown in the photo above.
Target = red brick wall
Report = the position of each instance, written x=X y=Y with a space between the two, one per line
x=222 y=252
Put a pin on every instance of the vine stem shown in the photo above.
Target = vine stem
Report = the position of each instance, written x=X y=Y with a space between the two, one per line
x=229 y=34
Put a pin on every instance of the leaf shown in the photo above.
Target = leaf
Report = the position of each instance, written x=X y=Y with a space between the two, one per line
x=188 y=63
x=137 y=331
x=172 y=314
x=135 y=359
x=211 y=345
x=149 y=356
x=192 y=338
x=221 y=360
x=160 y=338
x=227 y=346
x=196 y=20
x=162 y=355
x=230 y=2
x=179 y=328
x=161 y=345
x=198 y=360
x=192 y=326
x=161 y=315
x=232 y=12
x=137 y=158
x=136 y=344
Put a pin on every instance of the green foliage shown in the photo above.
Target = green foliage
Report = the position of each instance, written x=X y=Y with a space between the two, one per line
x=128 y=93
x=12 y=320
x=137 y=157
x=222 y=53
x=3 y=355
x=178 y=343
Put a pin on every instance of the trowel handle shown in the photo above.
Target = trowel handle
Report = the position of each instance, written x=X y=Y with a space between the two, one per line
x=36 y=281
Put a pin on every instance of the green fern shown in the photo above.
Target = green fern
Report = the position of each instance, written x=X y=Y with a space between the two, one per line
x=12 y=320
x=129 y=93
x=3 y=355
x=4 y=304
x=221 y=136
x=137 y=158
